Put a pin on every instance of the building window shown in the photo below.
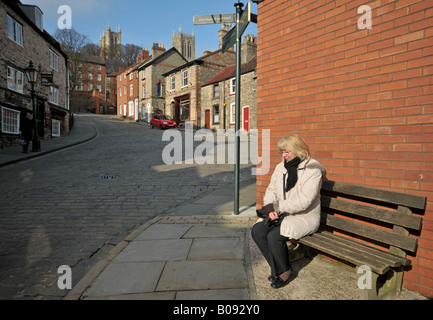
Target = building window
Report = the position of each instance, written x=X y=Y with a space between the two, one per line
x=54 y=61
x=39 y=19
x=131 y=76
x=15 y=31
x=233 y=113
x=173 y=83
x=90 y=76
x=90 y=87
x=54 y=95
x=99 y=88
x=90 y=66
x=185 y=78
x=55 y=128
x=144 y=91
x=99 y=77
x=216 y=114
x=131 y=89
x=233 y=86
x=15 y=80
x=159 y=92
x=10 y=121
x=120 y=92
x=98 y=67
x=216 y=91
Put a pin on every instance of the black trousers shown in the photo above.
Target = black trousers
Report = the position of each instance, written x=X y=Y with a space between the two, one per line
x=273 y=246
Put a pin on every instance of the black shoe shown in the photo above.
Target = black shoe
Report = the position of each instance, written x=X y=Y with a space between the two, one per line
x=271 y=278
x=279 y=283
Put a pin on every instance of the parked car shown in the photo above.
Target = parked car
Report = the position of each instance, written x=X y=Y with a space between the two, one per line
x=162 y=121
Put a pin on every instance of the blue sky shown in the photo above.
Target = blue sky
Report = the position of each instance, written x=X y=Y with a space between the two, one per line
x=142 y=22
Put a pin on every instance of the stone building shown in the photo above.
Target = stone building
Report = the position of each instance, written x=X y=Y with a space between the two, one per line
x=23 y=39
x=152 y=82
x=183 y=84
x=218 y=107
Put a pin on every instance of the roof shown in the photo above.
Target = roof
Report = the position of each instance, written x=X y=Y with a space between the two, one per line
x=198 y=61
x=230 y=72
x=147 y=63
x=186 y=65
x=92 y=59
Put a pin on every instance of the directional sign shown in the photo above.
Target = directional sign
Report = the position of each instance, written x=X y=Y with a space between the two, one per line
x=246 y=17
x=229 y=40
x=215 y=18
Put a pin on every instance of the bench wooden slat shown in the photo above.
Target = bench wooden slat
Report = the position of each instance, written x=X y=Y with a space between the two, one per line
x=392 y=260
x=397 y=198
x=345 y=253
x=370 y=232
x=384 y=215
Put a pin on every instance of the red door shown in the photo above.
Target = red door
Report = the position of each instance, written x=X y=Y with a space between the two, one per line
x=246 y=117
x=207 y=119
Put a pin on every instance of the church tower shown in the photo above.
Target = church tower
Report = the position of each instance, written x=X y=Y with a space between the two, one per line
x=110 y=43
x=185 y=44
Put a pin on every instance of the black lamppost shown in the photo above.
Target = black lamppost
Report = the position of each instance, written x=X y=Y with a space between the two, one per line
x=32 y=76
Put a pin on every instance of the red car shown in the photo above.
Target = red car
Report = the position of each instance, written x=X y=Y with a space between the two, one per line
x=162 y=121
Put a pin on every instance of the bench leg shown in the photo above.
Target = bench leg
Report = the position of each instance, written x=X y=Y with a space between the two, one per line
x=384 y=287
x=296 y=251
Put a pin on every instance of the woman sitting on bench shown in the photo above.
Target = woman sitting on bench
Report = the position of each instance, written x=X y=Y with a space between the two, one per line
x=292 y=207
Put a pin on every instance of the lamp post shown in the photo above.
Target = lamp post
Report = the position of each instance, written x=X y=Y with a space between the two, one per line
x=32 y=76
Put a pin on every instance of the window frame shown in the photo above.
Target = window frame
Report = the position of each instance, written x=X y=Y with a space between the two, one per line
x=54 y=95
x=14 y=122
x=233 y=86
x=185 y=78
x=15 y=34
x=54 y=60
x=15 y=79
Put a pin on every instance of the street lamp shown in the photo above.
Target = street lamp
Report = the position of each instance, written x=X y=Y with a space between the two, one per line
x=32 y=76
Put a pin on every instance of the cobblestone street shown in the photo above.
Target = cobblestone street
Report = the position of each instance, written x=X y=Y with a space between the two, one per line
x=72 y=206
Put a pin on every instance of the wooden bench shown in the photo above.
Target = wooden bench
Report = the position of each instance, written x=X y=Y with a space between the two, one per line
x=369 y=227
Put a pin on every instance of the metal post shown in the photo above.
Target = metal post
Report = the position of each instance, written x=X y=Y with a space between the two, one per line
x=239 y=11
x=36 y=144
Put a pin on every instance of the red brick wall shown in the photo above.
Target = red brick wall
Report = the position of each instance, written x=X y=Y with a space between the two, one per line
x=362 y=99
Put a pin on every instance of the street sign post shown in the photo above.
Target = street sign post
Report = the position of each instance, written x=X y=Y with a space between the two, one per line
x=215 y=18
x=242 y=19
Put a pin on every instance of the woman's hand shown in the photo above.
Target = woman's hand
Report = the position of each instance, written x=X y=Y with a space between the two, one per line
x=273 y=216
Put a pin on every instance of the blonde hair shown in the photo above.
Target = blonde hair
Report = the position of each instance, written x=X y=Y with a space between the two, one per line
x=293 y=142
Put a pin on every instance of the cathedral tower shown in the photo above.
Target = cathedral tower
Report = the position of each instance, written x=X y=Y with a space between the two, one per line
x=110 y=43
x=185 y=44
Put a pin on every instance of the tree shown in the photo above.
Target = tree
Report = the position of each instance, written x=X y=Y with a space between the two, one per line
x=74 y=45
x=130 y=53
